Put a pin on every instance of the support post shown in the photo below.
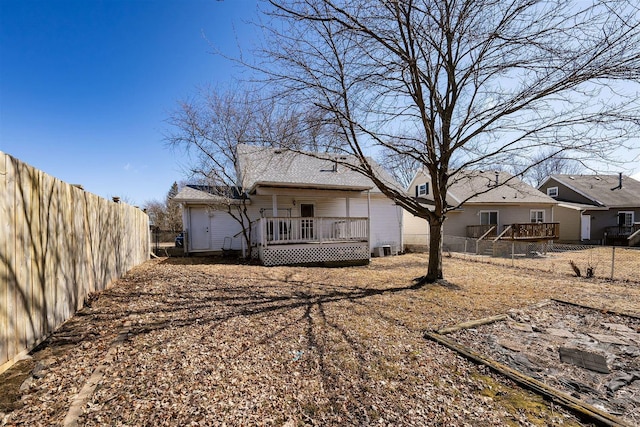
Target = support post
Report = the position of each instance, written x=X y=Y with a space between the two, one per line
x=613 y=260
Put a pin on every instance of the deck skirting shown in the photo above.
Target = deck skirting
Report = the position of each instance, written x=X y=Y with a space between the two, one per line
x=300 y=254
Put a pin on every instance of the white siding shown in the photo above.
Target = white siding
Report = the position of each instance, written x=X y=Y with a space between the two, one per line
x=416 y=229
x=385 y=225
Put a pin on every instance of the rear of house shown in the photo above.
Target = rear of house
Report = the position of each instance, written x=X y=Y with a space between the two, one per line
x=599 y=209
x=485 y=204
x=304 y=209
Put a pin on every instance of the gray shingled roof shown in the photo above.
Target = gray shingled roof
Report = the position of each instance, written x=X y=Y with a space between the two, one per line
x=467 y=185
x=479 y=187
x=201 y=194
x=260 y=166
x=602 y=189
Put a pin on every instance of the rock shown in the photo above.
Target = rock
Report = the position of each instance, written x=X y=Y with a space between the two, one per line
x=39 y=370
x=562 y=333
x=584 y=359
x=632 y=336
x=618 y=327
x=26 y=384
x=608 y=339
x=511 y=345
x=524 y=327
x=520 y=360
x=619 y=381
x=631 y=351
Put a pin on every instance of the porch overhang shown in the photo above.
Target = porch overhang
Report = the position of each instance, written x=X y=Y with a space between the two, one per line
x=269 y=188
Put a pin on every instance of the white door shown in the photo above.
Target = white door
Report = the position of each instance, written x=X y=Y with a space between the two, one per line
x=585 y=227
x=199 y=234
x=307 y=212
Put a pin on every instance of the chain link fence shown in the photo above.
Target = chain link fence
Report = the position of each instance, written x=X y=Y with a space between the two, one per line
x=605 y=262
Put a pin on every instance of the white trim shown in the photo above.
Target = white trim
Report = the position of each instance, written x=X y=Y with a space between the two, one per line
x=585 y=227
x=415 y=176
x=489 y=212
x=632 y=217
x=423 y=189
x=531 y=211
x=552 y=190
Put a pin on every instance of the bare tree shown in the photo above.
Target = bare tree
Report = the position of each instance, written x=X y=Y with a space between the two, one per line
x=165 y=214
x=173 y=214
x=210 y=127
x=401 y=168
x=157 y=212
x=545 y=165
x=480 y=82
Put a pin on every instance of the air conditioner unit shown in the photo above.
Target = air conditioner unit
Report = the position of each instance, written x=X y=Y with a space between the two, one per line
x=378 y=251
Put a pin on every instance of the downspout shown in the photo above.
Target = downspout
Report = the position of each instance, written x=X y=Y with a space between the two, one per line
x=274 y=223
x=401 y=222
x=369 y=219
x=347 y=226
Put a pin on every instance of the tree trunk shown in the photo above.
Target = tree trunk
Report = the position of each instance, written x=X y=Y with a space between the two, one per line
x=434 y=270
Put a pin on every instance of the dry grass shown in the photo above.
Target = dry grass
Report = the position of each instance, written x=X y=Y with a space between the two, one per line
x=214 y=344
x=626 y=261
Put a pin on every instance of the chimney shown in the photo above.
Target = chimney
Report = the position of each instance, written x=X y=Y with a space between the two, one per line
x=619 y=182
x=497 y=174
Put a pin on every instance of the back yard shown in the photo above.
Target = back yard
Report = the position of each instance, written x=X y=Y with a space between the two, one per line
x=187 y=341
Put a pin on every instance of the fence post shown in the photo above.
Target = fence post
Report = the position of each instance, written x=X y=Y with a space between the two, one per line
x=613 y=260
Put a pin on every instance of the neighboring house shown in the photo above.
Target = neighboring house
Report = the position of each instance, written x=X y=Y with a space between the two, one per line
x=492 y=205
x=600 y=209
x=305 y=209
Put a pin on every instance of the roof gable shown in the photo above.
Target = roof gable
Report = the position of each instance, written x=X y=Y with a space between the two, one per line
x=479 y=187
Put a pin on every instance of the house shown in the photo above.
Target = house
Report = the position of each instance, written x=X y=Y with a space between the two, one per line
x=304 y=208
x=488 y=205
x=596 y=209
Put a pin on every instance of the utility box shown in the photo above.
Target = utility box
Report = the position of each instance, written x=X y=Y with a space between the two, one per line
x=385 y=250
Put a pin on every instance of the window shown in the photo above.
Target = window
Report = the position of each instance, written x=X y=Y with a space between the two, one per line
x=552 y=191
x=488 y=217
x=537 y=215
x=625 y=218
x=422 y=189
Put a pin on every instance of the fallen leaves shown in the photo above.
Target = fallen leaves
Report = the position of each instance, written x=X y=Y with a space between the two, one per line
x=200 y=343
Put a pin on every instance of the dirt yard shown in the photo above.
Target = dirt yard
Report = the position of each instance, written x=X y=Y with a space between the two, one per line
x=193 y=342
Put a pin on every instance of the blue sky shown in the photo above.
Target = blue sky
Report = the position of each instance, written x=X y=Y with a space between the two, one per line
x=85 y=86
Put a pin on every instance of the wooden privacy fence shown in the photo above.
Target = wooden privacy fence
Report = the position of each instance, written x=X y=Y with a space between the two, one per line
x=58 y=243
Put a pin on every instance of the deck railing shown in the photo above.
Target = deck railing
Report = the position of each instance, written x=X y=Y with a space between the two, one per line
x=523 y=231
x=532 y=231
x=622 y=231
x=477 y=231
x=279 y=231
